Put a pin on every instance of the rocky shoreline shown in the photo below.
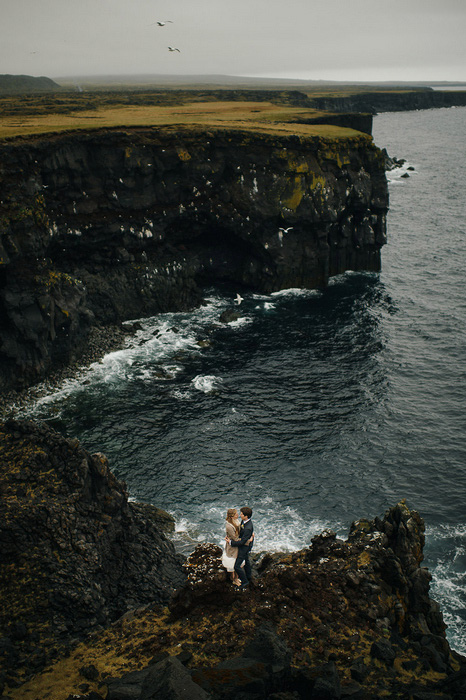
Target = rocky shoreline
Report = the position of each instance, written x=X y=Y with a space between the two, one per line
x=101 y=341
x=96 y=603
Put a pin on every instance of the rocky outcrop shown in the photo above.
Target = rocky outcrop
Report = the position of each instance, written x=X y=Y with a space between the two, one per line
x=100 y=227
x=355 y=613
x=76 y=554
x=340 y=619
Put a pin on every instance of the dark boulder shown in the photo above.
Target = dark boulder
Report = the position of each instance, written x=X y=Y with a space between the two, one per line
x=128 y=686
x=207 y=582
x=170 y=680
x=383 y=651
x=266 y=646
x=229 y=315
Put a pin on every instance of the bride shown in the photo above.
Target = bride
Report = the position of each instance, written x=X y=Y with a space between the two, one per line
x=230 y=553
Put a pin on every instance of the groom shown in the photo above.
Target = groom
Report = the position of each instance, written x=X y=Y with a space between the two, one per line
x=244 y=545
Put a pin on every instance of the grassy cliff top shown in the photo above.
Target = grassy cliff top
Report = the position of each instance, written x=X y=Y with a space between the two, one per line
x=67 y=111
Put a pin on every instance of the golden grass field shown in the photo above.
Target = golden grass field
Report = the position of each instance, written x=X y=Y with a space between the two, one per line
x=252 y=116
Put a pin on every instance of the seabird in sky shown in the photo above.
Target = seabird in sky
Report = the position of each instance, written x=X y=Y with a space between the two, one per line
x=162 y=24
x=170 y=48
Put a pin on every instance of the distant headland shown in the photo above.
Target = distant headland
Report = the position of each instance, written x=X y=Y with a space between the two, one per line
x=19 y=84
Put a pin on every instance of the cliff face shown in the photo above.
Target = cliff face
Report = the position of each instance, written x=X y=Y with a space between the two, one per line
x=391 y=100
x=76 y=554
x=106 y=226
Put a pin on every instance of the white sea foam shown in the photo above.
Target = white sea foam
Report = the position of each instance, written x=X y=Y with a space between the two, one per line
x=266 y=306
x=398 y=175
x=206 y=383
x=241 y=321
x=448 y=585
x=277 y=528
x=181 y=395
x=295 y=292
x=147 y=355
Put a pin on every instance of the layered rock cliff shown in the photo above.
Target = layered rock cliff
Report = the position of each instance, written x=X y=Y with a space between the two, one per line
x=103 y=226
x=391 y=100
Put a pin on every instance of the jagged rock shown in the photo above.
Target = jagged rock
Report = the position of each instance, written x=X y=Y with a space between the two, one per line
x=354 y=616
x=78 y=555
x=89 y=672
x=128 y=687
x=359 y=670
x=229 y=315
x=382 y=650
x=353 y=691
x=206 y=583
x=372 y=581
x=327 y=683
x=319 y=683
x=235 y=678
x=169 y=680
x=267 y=647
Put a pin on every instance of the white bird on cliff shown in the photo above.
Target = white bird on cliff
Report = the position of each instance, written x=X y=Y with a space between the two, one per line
x=170 y=48
x=238 y=299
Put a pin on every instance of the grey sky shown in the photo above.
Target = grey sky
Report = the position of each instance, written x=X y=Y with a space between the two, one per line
x=313 y=39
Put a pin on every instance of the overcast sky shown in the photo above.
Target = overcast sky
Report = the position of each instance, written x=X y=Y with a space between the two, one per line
x=311 y=39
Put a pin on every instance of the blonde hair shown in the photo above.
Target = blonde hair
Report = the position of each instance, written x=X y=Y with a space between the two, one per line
x=232 y=519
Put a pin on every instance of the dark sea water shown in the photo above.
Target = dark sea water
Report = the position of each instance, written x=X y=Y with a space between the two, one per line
x=315 y=408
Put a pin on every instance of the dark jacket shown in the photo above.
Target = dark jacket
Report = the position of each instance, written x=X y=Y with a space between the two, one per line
x=246 y=530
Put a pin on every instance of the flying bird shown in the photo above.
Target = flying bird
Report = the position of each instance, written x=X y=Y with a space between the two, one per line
x=162 y=24
x=238 y=299
x=285 y=230
x=170 y=48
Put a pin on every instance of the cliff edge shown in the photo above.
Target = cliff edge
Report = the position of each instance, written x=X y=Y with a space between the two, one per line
x=86 y=576
x=103 y=226
x=76 y=554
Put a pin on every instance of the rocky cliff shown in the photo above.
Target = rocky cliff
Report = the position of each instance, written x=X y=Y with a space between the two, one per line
x=75 y=554
x=390 y=100
x=342 y=618
x=103 y=226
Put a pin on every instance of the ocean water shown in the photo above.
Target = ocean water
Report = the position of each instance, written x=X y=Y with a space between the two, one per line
x=316 y=408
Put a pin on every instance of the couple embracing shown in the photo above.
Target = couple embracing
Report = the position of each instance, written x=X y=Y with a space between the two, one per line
x=239 y=540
